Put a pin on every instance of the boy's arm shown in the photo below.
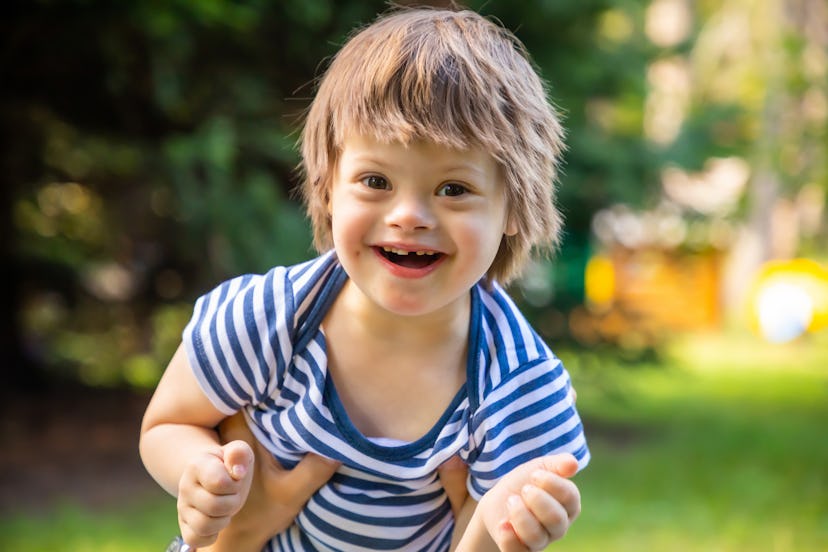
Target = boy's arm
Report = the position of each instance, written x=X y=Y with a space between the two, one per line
x=181 y=450
x=178 y=435
x=178 y=425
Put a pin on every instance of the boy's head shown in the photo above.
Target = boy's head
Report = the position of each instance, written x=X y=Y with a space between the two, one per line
x=453 y=78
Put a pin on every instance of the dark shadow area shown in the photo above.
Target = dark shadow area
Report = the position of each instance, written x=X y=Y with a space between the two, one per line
x=72 y=444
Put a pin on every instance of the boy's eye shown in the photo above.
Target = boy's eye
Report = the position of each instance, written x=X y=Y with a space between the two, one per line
x=451 y=189
x=375 y=182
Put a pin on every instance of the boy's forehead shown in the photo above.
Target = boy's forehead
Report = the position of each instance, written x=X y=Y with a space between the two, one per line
x=472 y=159
x=367 y=139
x=361 y=143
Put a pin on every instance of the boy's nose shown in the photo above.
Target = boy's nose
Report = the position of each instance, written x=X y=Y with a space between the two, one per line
x=410 y=213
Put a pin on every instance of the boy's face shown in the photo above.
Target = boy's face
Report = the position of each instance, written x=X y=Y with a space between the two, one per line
x=416 y=226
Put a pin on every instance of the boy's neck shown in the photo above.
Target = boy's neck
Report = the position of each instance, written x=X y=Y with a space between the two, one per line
x=449 y=323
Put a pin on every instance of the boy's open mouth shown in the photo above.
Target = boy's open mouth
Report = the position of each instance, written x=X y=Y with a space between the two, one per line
x=409 y=259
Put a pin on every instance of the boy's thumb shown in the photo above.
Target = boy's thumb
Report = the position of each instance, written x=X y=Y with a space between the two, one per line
x=238 y=459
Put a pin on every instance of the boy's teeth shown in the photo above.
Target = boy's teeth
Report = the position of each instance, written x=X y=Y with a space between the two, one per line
x=395 y=251
x=403 y=252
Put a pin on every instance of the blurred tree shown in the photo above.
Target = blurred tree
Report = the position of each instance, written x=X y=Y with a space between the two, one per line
x=151 y=155
x=150 y=148
x=759 y=92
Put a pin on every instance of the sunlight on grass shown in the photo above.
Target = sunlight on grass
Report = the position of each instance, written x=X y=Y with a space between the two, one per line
x=720 y=448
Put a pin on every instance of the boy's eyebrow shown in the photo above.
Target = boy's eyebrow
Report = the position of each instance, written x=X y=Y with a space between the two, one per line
x=463 y=167
x=368 y=158
x=454 y=167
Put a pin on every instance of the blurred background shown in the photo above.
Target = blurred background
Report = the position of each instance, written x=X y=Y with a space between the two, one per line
x=149 y=153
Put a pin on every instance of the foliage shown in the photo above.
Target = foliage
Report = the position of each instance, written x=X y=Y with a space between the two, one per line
x=154 y=158
x=153 y=150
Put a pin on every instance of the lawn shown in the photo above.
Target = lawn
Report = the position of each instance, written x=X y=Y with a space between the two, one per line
x=723 y=447
x=720 y=447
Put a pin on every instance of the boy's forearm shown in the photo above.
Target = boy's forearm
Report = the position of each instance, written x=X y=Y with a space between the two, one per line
x=167 y=449
x=178 y=424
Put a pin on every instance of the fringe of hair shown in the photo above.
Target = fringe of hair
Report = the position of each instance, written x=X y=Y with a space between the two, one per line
x=454 y=78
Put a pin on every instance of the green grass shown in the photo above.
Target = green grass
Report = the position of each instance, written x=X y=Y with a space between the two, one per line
x=146 y=526
x=722 y=447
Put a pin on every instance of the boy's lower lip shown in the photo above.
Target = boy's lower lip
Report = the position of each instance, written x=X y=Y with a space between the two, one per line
x=405 y=271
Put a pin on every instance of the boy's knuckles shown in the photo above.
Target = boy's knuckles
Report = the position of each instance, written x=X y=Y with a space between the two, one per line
x=557 y=531
x=573 y=509
x=204 y=526
x=562 y=489
x=508 y=542
x=570 y=498
x=537 y=540
x=221 y=506
x=217 y=481
x=531 y=534
x=195 y=533
x=555 y=521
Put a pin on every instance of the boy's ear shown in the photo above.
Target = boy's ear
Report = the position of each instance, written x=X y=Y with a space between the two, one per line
x=511 y=225
x=326 y=190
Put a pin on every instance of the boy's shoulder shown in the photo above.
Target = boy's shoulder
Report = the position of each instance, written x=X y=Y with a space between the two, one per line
x=310 y=269
x=505 y=342
x=505 y=324
x=509 y=355
x=286 y=289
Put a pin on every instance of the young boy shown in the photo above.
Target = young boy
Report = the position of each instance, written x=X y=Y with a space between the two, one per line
x=429 y=155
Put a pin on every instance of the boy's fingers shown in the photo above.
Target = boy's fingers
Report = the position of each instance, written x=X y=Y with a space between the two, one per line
x=197 y=528
x=238 y=459
x=564 y=491
x=209 y=473
x=507 y=539
x=215 y=505
x=564 y=465
x=550 y=514
x=528 y=528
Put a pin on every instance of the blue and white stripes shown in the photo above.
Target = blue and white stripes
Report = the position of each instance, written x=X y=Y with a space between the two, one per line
x=254 y=344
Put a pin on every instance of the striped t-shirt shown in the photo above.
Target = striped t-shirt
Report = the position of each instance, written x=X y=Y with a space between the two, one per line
x=256 y=345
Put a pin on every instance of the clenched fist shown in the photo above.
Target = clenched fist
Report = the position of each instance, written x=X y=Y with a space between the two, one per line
x=212 y=489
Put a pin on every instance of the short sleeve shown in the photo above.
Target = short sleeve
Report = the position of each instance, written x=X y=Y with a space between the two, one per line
x=531 y=413
x=238 y=340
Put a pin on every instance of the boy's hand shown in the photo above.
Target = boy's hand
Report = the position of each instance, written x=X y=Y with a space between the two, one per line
x=211 y=490
x=533 y=505
x=276 y=496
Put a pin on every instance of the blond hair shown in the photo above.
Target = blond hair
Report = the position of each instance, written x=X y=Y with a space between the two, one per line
x=454 y=78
